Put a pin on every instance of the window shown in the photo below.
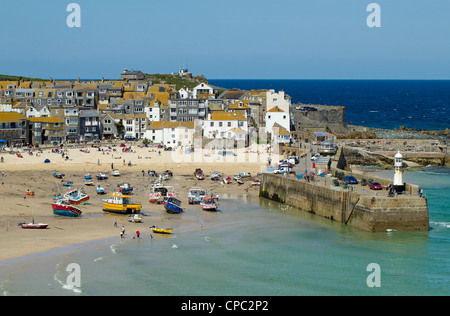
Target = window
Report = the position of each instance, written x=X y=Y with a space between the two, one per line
x=229 y=124
x=212 y=124
x=220 y=124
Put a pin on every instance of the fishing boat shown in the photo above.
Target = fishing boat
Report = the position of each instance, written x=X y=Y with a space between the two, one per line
x=172 y=205
x=58 y=175
x=29 y=193
x=196 y=195
x=215 y=176
x=101 y=176
x=64 y=208
x=32 y=225
x=198 y=173
x=88 y=182
x=160 y=192
x=125 y=188
x=66 y=183
x=76 y=196
x=100 y=189
x=121 y=204
x=226 y=180
x=256 y=182
x=88 y=176
x=115 y=173
x=238 y=179
x=57 y=197
x=135 y=219
x=210 y=204
x=244 y=174
x=161 y=230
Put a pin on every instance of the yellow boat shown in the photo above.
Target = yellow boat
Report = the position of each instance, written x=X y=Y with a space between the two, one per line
x=162 y=230
x=121 y=204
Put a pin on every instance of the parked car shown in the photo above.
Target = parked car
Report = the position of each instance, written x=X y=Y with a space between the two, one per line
x=350 y=180
x=315 y=157
x=375 y=186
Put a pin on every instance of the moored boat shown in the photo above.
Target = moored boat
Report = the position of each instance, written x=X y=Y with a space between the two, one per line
x=64 y=208
x=196 y=195
x=172 y=205
x=58 y=175
x=210 y=204
x=101 y=176
x=135 y=219
x=66 y=183
x=88 y=182
x=160 y=192
x=226 y=180
x=76 y=196
x=121 y=204
x=125 y=188
x=115 y=173
x=34 y=226
x=100 y=189
x=161 y=230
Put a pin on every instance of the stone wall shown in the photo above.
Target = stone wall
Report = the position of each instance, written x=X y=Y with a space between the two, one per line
x=375 y=214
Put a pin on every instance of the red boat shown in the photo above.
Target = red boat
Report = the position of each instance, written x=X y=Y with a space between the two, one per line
x=34 y=226
x=64 y=208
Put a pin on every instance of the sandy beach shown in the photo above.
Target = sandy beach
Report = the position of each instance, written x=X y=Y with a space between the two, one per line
x=31 y=173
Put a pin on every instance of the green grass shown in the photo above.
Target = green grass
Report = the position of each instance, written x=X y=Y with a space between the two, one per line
x=13 y=78
x=173 y=79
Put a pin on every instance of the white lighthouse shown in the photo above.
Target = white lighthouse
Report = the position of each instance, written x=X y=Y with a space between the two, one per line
x=398 y=172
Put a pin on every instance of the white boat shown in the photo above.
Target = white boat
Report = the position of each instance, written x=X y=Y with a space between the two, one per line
x=115 y=173
x=135 y=219
x=196 y=195
x=210 y=204
x=160 y=192
x=76 y=196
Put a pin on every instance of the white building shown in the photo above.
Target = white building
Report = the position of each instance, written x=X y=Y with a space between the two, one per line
x=277 y=116
x=279 y=100
x=203 y=89
x=135 y=126
x=227 y=125
x=171 y=134
x=153 y=111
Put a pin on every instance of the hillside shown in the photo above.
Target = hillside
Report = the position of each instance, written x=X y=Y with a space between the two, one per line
x=176 y=80
x=13 y=78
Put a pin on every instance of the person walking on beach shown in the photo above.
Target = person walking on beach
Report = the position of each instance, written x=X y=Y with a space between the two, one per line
x=138 y=234
x=122 y=232
x=115 y=223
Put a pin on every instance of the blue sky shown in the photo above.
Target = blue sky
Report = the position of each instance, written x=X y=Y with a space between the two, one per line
x=246 y=39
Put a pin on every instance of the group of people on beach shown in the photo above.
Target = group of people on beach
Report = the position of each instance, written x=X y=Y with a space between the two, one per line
x=122 y=232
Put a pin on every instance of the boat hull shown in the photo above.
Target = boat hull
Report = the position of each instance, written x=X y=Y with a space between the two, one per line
x=66 y=210
x=173 y=209
x=34 y=226
x=162 y=230
x=78 y=201
x=122 y=209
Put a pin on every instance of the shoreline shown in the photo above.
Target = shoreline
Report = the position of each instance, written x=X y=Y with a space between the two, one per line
x=30 y=173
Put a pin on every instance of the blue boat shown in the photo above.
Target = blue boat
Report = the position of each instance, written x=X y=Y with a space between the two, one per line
x=172 y=205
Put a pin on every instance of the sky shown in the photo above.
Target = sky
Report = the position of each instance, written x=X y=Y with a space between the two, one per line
x=233 y=39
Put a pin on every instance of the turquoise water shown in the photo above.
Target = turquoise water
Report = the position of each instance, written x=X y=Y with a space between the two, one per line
x=255 y=247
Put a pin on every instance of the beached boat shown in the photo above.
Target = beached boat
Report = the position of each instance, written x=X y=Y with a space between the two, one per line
x=29 y=193
x=226 y=180
x=121 y=204
x=76 y=196
x=64 y=208
x=101 y=176
x=196 y=195
x=125 y=188
x=58 y=175
x=238 y=179
x=115 y=173
x=210 y=204
x=100 y=189
x=172 y=205
x=135 y=219
x=88 y=182
x=198 y=173
x=244 y=174
x=161 y=230
x=57 y=197
x=256 y=182
x=160 y=192
x=88 y=176
x=67 y=183
x=215 y=176
x=34 y=226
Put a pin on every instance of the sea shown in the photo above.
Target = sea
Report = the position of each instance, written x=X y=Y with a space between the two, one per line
x=257 y=247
